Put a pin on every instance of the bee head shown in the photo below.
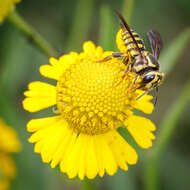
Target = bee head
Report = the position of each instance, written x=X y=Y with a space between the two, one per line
x=151 y=80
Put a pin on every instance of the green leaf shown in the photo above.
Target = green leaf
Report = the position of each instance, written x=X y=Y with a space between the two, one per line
x=127 y=10
x=108 y=28
x=173 y=52
x=80 y=24
x=122 y=180
x=31 y=34
x=109 y=24
x=168 y=127
x=169 y=124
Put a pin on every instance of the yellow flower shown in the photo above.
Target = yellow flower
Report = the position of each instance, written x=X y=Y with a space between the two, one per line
x=82 y=138
x=6 y=6
x=8 y=139
x=7 y=170
x=9 y=143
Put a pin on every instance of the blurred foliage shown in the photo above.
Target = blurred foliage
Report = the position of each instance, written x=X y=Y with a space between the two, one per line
x=66 y=24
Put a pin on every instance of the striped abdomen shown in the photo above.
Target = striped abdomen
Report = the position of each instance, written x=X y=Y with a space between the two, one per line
x=130 y=44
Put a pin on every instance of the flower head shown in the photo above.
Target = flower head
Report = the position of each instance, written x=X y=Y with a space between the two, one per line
x=9 y=143
x=83 y=137
x=6 y=6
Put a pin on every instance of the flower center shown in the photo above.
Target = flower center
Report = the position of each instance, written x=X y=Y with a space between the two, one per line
x=90 y=99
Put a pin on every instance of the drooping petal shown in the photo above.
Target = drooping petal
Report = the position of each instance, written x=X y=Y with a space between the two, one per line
x=67 y=139
x=123 y=152
x=91 y=158
x=75 y=159
x=82 y=155
x=141 y=129
x=66 y=154
x=99 y=156
x=52 y=137
x=106 y=155
x=39 y=96
x=80 y=158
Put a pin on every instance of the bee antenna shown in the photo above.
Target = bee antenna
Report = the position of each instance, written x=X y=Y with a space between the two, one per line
x=126 y=26
x=156 y=97
x=144 y=93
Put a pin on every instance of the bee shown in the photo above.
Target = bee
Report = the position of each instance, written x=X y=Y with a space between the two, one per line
x=138 y=60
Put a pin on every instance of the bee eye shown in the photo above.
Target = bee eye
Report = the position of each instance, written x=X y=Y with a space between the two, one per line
x=148 y=78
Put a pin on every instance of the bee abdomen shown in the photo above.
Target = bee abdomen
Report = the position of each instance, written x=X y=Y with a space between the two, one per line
x=139 y=42
x=130 y=44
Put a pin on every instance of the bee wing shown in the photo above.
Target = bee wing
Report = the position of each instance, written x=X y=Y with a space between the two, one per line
x=126 y=26
x=156 y=42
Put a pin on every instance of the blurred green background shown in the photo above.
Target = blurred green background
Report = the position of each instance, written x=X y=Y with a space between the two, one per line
x=66 y=25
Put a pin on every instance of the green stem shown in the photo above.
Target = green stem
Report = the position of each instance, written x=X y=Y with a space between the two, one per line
x=128 y=7
x=34 y=36
x=167 y=127
x=108 y=29
x=80 y=23
x=87 y=185
x=173 y=51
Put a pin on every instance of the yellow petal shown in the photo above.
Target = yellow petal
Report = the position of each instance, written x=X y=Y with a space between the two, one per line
x=58 y=156
x=123 y=152
x=141 y=129
x=51 y=145
x=144 y=103
x=107 y=53
x=45 y=127
x=53 y=71
x=41 y=134
x=99 y=51
x=91 y=158
x=6 y=6
x=56 y=68
x=4 y=183
x=52 y=137
x=107 y=159
x=81 y=161
x=39 y=96
x=73 y=163
x=66 y=154
x=38 y=124
x=120 y=43
x=7 y=165
x=89 y=48
x=9 y=141
x=99 y=155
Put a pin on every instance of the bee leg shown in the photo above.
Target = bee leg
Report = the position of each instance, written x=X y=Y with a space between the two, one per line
x=148 y=90
x=111 y=56
x=134 y=82
x=55 y=110
x=126 y=72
